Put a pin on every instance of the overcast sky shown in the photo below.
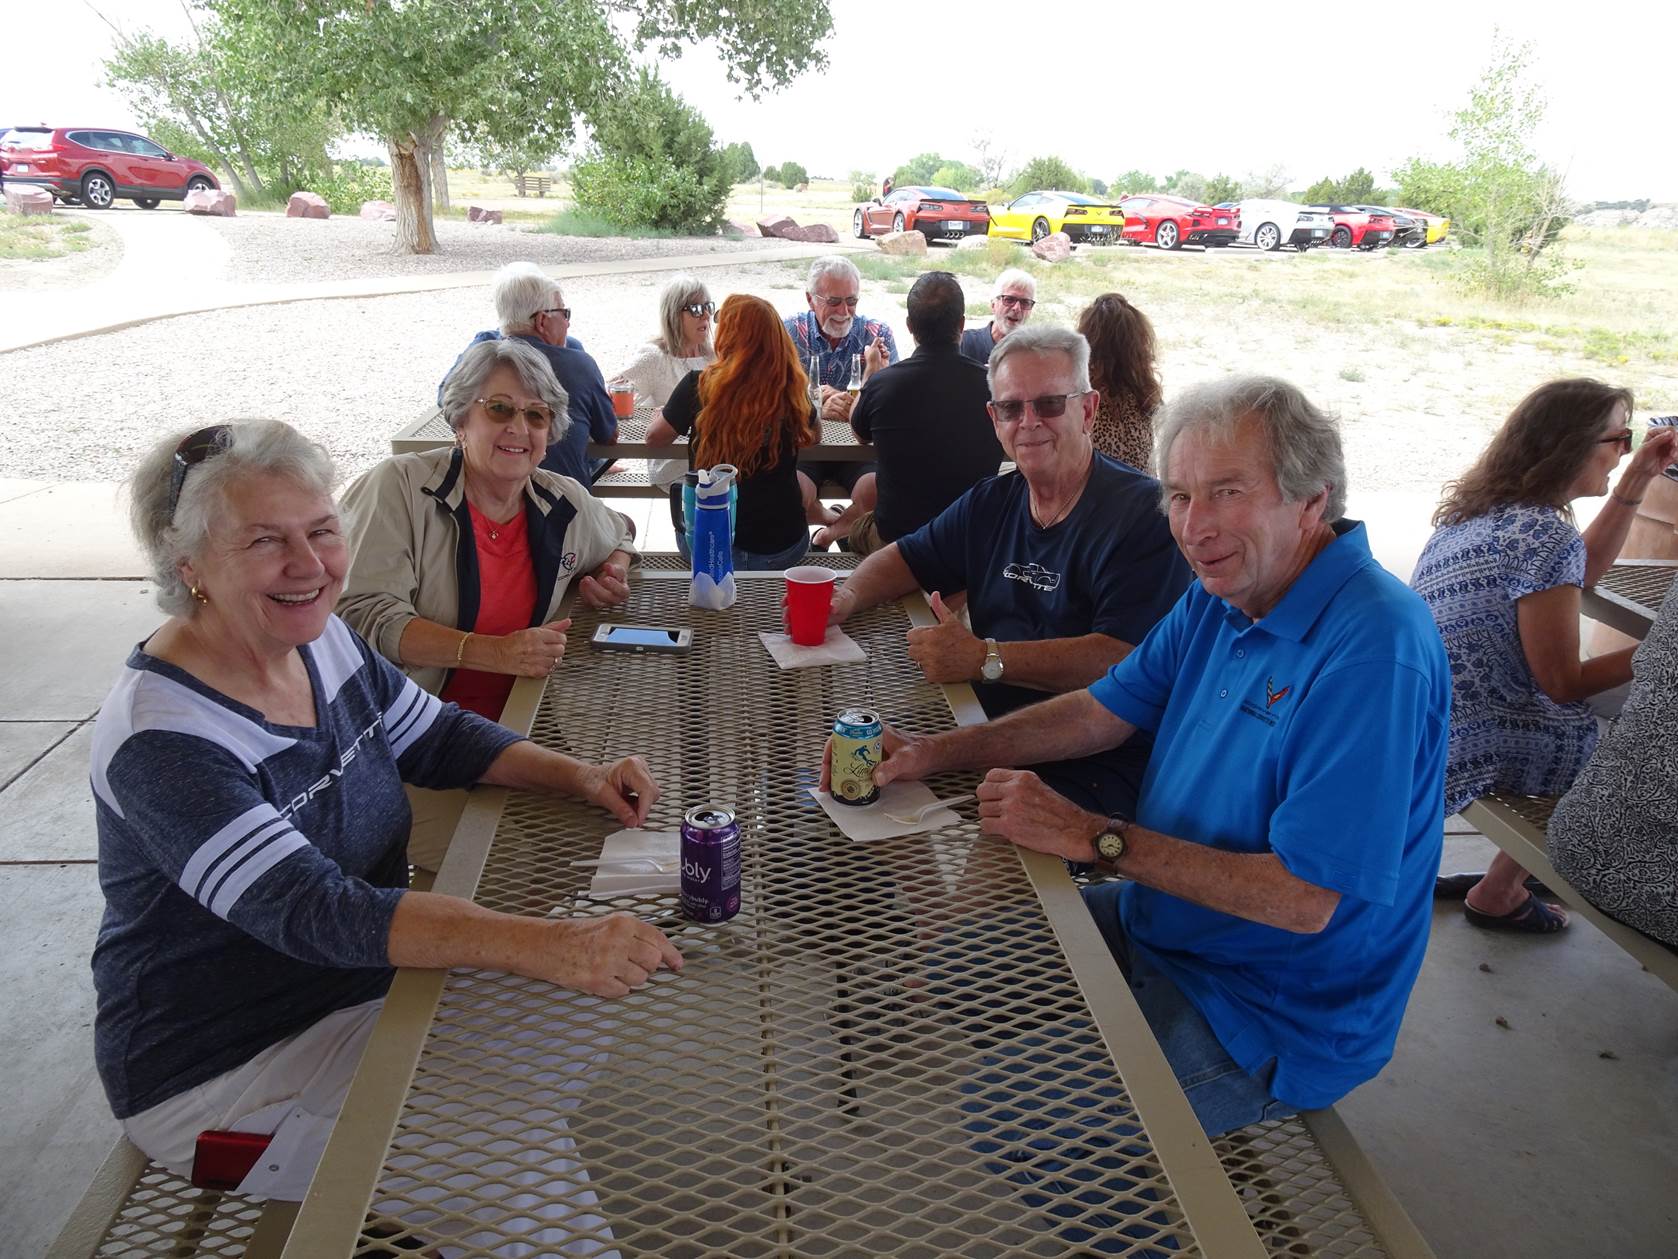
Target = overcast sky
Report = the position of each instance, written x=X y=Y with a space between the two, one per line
x=1365 y=85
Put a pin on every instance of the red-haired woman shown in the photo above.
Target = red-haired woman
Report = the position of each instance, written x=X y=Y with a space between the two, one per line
x=750 y=408
x=1122 y=371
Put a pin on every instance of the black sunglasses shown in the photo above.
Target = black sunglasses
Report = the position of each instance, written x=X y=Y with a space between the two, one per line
x=555 y=310
x=1622 y=440
x=1049 y=408
x=696 y=309
x=193 y=450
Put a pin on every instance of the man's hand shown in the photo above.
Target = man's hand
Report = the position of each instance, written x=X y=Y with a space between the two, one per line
x=605 y=956
x=908 y=759
x=530 y=653
x=1016 y=805
x=836 y=405
x=874 y=357
x=844 y=603
x=625 y=789
x=606 y=587
x=947 y=651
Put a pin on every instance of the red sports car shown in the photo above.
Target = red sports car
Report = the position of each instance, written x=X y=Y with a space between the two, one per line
x=1166 y=221
x=1358 y=227
x=936 y=213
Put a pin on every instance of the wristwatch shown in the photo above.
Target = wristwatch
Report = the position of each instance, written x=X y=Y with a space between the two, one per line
x=1110 y=842
x=991 y=670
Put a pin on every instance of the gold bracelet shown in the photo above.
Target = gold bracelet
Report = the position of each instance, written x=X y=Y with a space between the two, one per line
x=1621 y=498
x=460 y=651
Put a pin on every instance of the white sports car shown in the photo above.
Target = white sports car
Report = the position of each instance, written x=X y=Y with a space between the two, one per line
x=1272 y=224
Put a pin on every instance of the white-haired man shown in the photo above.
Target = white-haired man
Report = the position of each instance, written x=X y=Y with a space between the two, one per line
x=1011 y=301
x=832 y=332
x=530 y=306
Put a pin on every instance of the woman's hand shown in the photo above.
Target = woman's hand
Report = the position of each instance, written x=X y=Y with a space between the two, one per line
x=606 y=587
x=1659 y=448
x=900 y=757
x=607 y=956
x=625 y=789
x=530 y=653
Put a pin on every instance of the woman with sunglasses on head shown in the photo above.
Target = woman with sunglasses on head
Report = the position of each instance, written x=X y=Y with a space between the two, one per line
x=683 y=343
x=1502 y=574
x=247 y=770
x=1123 y=371
x=750 y=408
x=463 y=555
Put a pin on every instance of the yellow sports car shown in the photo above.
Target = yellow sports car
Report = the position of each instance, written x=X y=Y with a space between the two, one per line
x=1436 y=228
x=1035 y=215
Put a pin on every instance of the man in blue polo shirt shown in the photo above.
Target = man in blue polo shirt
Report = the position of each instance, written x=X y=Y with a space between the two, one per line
x=1274 y=898
x=1066 y=564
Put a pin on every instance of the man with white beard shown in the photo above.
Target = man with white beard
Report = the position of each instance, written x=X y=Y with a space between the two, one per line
x=832 y=332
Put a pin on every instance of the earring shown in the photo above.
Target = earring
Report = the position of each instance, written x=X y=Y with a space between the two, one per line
x=197 y=593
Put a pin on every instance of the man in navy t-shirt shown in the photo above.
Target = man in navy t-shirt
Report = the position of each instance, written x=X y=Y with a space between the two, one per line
x=1066 y=564
x=1276 y=881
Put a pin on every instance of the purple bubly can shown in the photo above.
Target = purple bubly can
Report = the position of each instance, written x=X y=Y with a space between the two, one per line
x=710 y=855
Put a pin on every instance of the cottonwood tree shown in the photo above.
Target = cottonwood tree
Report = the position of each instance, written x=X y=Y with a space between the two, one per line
x=496 y=72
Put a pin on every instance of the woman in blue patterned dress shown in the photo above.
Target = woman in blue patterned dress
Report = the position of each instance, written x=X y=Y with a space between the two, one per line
x=1502 y=574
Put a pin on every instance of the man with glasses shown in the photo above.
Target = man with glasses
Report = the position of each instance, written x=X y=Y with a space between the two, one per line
x=532 y=308
x=1065 y=566
x=1011 y=303
x=832 y=333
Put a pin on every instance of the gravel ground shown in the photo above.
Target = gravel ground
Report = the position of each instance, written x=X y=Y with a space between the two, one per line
x=350 y=373
x=271 y=249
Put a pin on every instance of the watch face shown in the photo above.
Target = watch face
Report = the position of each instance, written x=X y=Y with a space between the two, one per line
x=1109 y=845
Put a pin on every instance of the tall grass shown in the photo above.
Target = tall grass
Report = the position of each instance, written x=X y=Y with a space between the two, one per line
x=34 y=236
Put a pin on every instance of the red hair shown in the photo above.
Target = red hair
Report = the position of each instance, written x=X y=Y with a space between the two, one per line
x=755 y=392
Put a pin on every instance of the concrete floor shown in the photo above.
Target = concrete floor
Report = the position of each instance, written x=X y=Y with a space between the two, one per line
x=1551 y=1137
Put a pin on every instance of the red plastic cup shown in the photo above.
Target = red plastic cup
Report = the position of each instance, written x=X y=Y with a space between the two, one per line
x=623 y=400
x=808 y=600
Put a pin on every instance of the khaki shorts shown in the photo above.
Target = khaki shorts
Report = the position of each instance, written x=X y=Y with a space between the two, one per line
x=864 y=536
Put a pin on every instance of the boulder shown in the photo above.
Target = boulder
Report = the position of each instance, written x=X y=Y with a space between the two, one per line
x=814 y=233
x=801 y=188
x=973 y=242
x=774 y=227
x=27 y=199
x=211 y=201
x=380 y=211
x=1055 y=248
x=477 y=214
x=307 y=205
x=731 y=228
x=902 y=243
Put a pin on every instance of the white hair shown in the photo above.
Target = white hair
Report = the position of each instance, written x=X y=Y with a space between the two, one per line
x=522 y=289
x=466 y=381
x=1014 y=276
x=833 y=265
x=1041 y=338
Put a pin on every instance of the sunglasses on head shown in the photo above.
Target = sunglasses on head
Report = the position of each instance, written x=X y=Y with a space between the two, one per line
x=193 y=450
x=1049 y=408
x=696 y=309
x=501 y=410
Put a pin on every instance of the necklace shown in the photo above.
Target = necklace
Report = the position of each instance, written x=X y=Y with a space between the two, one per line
x=1070 y=502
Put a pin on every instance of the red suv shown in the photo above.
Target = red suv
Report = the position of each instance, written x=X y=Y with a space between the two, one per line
x=96 y=166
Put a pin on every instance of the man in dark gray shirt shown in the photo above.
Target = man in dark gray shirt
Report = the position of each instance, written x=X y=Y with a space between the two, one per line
x=1010 y=306
x=926 y=418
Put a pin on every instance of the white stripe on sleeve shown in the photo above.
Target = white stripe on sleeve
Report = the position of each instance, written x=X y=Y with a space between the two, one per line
x=410 y=716
x=225 y=865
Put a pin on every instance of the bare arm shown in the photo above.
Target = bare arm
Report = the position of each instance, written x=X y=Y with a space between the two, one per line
x=1548 y=624
x=1016 y=805
x=883 y=576
x=525 y=653
x=659 y=432
x=950 y=652
x=1607 y=533
x=625 y=788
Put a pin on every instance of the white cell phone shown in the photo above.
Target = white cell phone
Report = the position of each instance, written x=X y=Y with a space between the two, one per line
x=642 y=638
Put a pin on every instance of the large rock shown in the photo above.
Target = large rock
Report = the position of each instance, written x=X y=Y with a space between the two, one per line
x=973 y=242
x=731 y=228
x=1055 y=248
x=380 y=211
x=307 y=205
x=906 y=244
x=27 y=199
x=774 y=227
x=211 y=201
x=814 y=233
x=477 y=214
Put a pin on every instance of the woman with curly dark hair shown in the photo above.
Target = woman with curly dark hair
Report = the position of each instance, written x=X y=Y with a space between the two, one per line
x=1123 y=372
x=750 y=408
x=1502 y=575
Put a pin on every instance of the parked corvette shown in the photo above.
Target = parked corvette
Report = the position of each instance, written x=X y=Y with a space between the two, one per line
x=97 y=166
x=1154 y=218
x=1270 y=224
x=1356 y=227
x=937 y=213
x=1034 y=215
x=1408 y=231
x=1436 y=228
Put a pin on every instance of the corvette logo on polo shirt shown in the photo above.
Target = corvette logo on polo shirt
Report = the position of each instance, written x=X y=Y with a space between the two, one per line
x=1273 y=697
x=568 y=561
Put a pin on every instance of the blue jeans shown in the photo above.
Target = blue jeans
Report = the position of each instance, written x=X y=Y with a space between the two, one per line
x=1223 y=1094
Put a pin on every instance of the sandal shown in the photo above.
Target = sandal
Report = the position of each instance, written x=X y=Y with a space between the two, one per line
x=1454 y=887
x=1531 y=915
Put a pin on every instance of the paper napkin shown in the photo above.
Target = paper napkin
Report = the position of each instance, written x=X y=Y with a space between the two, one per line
x=837 y=648
x=869 y=821
x=637 y=877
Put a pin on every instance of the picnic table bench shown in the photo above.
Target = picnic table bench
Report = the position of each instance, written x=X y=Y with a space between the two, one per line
x=538 y=184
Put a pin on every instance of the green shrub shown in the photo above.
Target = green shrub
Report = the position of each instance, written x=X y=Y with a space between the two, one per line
x=771 y=174
x=576 y=222
x=863 y=186
x=351 y=184
x=636 y=192
x=1047 y=172
x=793 y=174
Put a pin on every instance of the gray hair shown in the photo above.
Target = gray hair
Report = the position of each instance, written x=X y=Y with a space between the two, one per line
x=835 y=265
x=1039 y=338
x=248 y=448
x=521 y=290
x=676 y=295
x=466 y=382
x=1013 y=276
x=1304 y=441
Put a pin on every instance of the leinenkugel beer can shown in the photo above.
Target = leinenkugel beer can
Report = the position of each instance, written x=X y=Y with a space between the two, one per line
x=710 y=855
x=856 y=751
